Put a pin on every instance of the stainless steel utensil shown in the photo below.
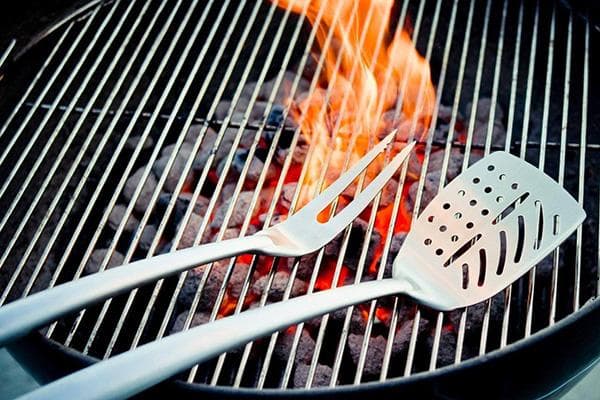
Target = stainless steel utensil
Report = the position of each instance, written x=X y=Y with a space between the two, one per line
x=300 y=234
x=484 y=230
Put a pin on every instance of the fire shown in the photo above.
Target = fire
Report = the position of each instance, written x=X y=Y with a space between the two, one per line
x=367 y=70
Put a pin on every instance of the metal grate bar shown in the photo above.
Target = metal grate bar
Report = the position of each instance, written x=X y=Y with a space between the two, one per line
x=7 y=51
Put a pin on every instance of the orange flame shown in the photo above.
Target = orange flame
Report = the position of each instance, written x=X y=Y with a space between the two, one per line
x=366 y=69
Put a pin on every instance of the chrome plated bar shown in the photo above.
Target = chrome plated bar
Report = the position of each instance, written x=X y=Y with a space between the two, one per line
x=6 y=53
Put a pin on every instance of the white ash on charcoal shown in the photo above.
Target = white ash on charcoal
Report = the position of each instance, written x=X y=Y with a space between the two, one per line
x=177 y=166
x=133 y=141
x=190 y=286
x=284 y=90
x=238 y=277
x=388 y=194
x=358 y=322
x=200 y=206
x=116 y=216
x=97 y=258
x=255 y=169
x=241 y=208
x=483 y=110
x=147 y=189
x=482 y=117
x=304 y=349
x=455 y=162
x=306 y=266
x=208 y=146
x=213 y=285
x=410 y=129
x=390 y=120
x=191 y=230
x=279 y=285
x=445 y=114
x=199 y=318
x=287 y=194
x=193 y=133
x=180 y=208
x=321 y=378
x=298 y=156
x=430 y=190
x=375 y=353
x=225 y=108
x=355 y=244
x=395 y=245
x=476 y=313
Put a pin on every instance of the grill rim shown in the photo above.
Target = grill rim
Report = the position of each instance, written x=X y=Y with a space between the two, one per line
x=70 y=360
x=464 y=364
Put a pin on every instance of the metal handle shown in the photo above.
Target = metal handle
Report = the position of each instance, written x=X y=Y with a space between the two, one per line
x=21 y=316
x=129 y=373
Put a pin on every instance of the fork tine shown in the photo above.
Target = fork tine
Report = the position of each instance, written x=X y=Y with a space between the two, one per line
x=362 y=200
x=336 y=188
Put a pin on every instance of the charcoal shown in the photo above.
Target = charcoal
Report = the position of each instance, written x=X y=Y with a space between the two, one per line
x=284 y=89
x=483 y=110
x=304 y=349
x=241 y=210
x=430 y=189
x=199 y=318
x=177 y=167
x=207 y=146
x=375 y=352
x=321 y=378
x=200 y=206
x=287 y=194
x=390 y=120
x=237 y=279
x=190 y=286
x=116 y=216
x=445 y=114
x=388 y=194
x=97 y=258
x=193 y=133
x=276 y=115
x=404 y=334
x=476 y=313
x=545 y=266
x=278 y=286
x=191 y=230
x=446 y=349
x=255 y=169
x=455 y=161
x=213 y=285
x=355 y=243
x=225 y=108
x=133 y=141
x=358 y=321
x=395 y=245
x=306 y=266
x=480 y=134
x=409 y=129
x=298 y=156
x=147 y=237
x=146 y=193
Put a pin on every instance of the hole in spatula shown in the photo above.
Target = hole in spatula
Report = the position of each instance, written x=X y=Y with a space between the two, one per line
x=463 y=249
x=502 y=257
x=482 y=266
x=510 y=208
x=465 y=277
x=520 y=238
x=540 y=230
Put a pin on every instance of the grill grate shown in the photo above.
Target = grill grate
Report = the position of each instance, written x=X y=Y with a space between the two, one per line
x=124 y=74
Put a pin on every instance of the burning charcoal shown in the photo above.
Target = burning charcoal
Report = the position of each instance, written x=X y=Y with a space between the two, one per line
x=284 y=89
x=476 y=313
x=287 y=194
x=436 y=162
x=355 y=244
x=404 y=334
x=201 y=203
x=190 y=286
x=304 y=349
x=395 y=245
x=408 y=129
x=276 y=115
x=191 y=230
x=116 y=216
x=390 y=120
x=199 y=318
x=299 y=155
x=375 y=352
x=224 y=108
x=210 y=139
x=306 y=266
x=97 y=258
x=238 y=277
x=278 y=286
x=147 y=237
x=321 y=378
x=445 y=113
x=430 y=189
x=177 y=167
x=213 y=285
x=358 y=320
x=480 y=134
x=255 y=169
x=146 y=193
x=241 y=210
x=193 y=133
x=484 y=107
x=133 y=141
x=388 y=194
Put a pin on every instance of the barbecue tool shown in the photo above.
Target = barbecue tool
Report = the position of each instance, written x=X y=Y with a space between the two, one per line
x=300 y=234
x=483 y=231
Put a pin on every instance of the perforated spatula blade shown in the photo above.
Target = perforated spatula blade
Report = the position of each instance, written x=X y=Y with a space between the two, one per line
x=484 y=230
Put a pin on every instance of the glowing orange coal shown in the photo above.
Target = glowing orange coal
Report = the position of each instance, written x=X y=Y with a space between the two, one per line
x=367 y=70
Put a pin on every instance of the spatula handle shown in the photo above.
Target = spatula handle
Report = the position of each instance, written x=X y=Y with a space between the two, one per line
x=129 y=373
x=21 y=316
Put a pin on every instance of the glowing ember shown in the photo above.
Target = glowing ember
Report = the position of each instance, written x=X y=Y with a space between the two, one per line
x=367 y=70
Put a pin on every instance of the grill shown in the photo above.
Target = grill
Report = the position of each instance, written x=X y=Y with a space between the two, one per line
x=119 y=87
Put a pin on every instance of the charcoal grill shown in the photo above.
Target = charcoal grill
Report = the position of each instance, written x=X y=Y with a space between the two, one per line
x=115 y=86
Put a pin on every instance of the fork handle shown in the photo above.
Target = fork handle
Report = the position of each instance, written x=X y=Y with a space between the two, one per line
x=21 y=316
x=129 y=373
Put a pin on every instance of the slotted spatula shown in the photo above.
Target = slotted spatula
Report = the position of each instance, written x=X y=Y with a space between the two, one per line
x=483 y=231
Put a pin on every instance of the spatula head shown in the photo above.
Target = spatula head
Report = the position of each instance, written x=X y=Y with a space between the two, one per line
x=483 y=231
